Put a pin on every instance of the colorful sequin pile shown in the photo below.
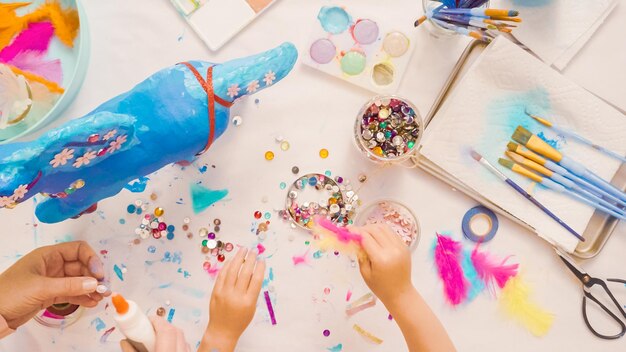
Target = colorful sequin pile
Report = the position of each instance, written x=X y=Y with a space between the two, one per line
x=212 y=246
x=396 y=216
x=152 y=224
x=76 y=185
x=334 y=204
x=389 y=128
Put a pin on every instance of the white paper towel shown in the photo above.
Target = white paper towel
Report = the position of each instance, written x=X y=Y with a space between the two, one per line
x=556 y=30
x=487 y=106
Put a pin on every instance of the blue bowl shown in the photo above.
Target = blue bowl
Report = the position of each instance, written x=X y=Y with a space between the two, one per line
x=74 y=62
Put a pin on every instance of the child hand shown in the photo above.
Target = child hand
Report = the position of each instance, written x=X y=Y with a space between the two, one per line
x=66 y=272
x=168 y=338
x=233 y=301
x=387 y=267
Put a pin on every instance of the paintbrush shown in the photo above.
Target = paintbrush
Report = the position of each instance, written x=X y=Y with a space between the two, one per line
x=548 y=183
x=538 y=145
x=567 y=183
x=464 y=21
x=521 y=191
x=420 y=20
x=480 y=12
x=514 y=147
x=461 y=30
x=578 y=137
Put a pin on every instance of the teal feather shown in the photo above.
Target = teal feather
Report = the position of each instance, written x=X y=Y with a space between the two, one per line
x=477 y=285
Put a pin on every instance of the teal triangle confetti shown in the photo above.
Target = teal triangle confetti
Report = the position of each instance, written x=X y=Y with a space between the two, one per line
x=202 y=198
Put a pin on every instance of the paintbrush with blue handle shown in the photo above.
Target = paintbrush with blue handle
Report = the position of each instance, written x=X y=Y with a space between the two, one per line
x=548 y=183
x=538 y=145
x=559 y=170
x=521 y=191
x=576 y=136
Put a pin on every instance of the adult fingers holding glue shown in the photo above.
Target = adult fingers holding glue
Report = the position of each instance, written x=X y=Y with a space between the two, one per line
x=168 y=338
x=387 y=272
x=233 y=301
x=63 y=273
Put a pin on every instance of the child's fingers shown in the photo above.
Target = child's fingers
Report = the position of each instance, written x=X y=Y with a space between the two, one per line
x=365 y=266
x=370 y=246
x=381 y=234
x=243 y=281
x=165 y=335
x=235 y=266
x=181 y=344
x=257 y=278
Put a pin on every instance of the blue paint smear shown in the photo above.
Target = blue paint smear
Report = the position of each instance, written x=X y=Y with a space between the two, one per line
x=98 y=323
x=270 y=277
x=175 y=257
x=151 y=249
x=118 y=272
x=138 y=186
x=337 y=348
x=531 y=3
x=317 y=254
x=165 y=285
x=203 y=169
x=193 y=292
x=471 y=275
x=334 y=19
x=271 y=274
x=554 y=143
x=66 y=238
x=202 y=198
x=170 y=315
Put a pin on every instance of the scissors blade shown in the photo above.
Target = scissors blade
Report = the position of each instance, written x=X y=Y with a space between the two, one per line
x=571 y=264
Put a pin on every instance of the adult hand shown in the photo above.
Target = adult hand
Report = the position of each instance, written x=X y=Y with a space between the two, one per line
x=63 y=273
x=168 y=338
x=387 y=267
x=233 y=301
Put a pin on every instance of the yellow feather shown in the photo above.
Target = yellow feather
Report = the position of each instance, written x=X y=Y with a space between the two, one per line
x=515 y=300
x=325 y=240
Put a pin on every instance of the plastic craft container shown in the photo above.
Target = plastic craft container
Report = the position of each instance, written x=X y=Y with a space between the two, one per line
x=74 y=62
x=361 y=143
x=59 y=315
x=437 y=30
x=398 y=216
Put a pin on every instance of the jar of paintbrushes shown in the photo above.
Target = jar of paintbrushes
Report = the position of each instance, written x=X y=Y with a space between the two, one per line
x=388 y=129
x=473 y=18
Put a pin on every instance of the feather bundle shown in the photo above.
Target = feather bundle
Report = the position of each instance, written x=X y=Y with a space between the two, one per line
x=476 y=283
x=36 y=38
x=332 y=237
x=492 y=271
x=515 y=300
x=14 y=96
x=448 y=262
x=64 y=21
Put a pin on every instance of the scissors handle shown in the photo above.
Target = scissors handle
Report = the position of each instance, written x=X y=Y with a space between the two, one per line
x=605 y=309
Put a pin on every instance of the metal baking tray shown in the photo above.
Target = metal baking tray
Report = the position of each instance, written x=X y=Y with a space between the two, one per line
x=600 y=226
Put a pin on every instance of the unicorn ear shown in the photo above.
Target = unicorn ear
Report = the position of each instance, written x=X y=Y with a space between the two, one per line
x=28 y=167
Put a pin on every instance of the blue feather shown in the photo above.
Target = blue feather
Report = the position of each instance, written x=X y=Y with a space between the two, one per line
x=477 y=285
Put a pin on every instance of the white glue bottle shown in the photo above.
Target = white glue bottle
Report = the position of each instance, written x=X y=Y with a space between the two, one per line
x=133 y=324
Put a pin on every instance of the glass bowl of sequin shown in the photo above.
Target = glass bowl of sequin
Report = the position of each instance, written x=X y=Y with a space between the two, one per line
x=396 y=215
x=316 y=194
x=388 y=129
x=435 y=28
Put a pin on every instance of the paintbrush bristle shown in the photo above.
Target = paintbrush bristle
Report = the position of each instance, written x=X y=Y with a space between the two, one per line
x=521 y=135
x=515 y=157
x=506 y=163
x=475 y=155
x=512 y=146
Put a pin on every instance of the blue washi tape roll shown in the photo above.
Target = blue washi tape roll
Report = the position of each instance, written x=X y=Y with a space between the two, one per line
x=476 y=213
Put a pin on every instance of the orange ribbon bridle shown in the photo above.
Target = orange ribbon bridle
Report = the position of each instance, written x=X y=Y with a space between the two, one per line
x=207 y=85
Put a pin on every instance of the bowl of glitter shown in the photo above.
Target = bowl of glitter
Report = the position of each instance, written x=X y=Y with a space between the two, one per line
x=394 y=214
x=316 y=194
x=388 y=129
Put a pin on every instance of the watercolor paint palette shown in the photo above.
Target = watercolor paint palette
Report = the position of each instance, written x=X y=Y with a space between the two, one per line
x=218 y=21
x=370 y=52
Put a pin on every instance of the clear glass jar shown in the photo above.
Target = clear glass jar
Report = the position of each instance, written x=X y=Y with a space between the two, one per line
x=59 y=315
x=433 y=27
x=396 y=215
x=363 y=145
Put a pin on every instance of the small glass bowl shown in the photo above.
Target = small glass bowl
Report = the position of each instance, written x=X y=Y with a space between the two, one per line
x=59 y=315
x=361 y=143
x=437 y=30
x=395 y=214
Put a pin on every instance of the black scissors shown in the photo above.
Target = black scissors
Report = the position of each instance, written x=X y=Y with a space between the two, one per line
x=588 y=281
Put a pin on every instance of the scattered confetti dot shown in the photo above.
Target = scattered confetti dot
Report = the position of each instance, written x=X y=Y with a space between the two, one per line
x=328 y=173
x=159 y=211
x=257 y=101
x=323 y=153
x=131 y=208
x=152 y=249
x=170 y=236
x=217 y=222
x=257 y=214
x=362 y=178
x=153 y=196
x=268 y=215
x=160 y=311
x=283 y=185
x=326 y=291
x=269 y=155
x=221 y=258
x=326 y=332
x=122 y=221
x=237 y=120
x=284 y=146
x=295 y=170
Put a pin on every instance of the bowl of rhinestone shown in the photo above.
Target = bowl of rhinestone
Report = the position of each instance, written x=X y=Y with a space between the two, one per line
x=331 y=202
x=395 y=215
x=388 y=128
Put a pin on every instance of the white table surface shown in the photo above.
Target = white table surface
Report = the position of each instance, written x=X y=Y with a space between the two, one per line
x=132 y=39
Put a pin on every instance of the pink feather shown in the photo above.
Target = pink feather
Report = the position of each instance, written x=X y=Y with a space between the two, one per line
x=35 y=62
x=448 y=261
x=491 y=270
x=36 y=38
x=343 y=235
